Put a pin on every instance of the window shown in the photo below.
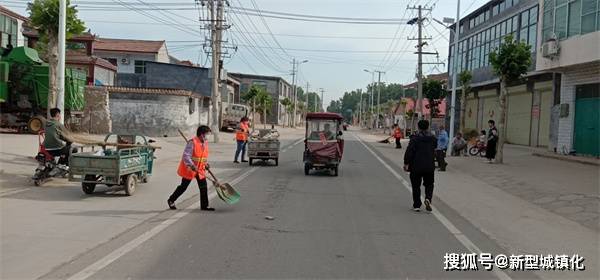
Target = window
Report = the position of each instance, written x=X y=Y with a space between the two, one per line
x=502 y=6
x=589 y=9
x=515 y=23
x=567 y=18
x=8 y=31
x=140 y=67
x=574 y=25
x=560 y=21
x=495 y=10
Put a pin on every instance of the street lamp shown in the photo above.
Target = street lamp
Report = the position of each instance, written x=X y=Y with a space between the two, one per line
x=454 y=66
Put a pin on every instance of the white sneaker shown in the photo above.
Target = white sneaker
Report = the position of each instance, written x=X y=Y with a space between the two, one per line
x=417 y=209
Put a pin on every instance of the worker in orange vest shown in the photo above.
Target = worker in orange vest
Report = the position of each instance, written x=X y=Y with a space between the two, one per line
x=397 y=133
x=194 y=164
x=241 y=137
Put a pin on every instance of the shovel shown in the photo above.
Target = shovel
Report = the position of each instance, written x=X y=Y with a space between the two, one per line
x=225 y=191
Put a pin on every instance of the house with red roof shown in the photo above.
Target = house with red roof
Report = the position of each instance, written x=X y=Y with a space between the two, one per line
x=130 y=56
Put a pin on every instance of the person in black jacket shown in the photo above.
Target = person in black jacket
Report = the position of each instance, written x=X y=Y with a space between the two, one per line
x=419 y=161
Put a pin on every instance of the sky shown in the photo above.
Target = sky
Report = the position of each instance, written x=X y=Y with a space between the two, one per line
x=337 y=53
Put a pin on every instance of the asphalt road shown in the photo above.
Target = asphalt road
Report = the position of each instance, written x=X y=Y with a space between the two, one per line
x=357 y=225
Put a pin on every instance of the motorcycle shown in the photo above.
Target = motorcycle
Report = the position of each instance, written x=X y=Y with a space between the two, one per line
x=48 y=166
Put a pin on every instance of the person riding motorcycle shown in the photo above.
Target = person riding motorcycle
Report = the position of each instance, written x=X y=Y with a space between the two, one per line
x=56 y=139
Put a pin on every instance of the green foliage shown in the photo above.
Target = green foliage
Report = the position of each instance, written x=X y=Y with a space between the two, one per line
x=465 y=78
x=470 y=133
x=43 y=15
x=435 y=92
x=511 y=60
x=288 y=104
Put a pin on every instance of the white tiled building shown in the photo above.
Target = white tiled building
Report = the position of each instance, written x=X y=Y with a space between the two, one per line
x=570 y=48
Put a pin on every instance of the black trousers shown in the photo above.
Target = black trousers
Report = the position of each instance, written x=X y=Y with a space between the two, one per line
x=440 y=156
x=398 y=144
x=416 y=178
x=202 y=186
x=63 y=154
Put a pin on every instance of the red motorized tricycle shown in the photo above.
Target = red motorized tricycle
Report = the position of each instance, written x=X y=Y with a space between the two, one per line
x=323 y=144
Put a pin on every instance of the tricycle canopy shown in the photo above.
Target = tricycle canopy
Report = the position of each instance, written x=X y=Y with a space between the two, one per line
x=324 y=115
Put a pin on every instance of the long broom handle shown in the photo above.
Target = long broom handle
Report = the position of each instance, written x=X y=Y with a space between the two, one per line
x=214 y=178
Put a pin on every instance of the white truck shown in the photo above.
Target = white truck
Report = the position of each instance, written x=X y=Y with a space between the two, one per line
x=231 y=114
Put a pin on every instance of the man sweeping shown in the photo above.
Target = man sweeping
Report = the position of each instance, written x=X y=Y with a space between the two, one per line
x=194 y=164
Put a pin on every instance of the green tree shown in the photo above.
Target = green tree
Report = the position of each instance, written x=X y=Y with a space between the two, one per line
x=465 y=78
x=43 y=15
x=434 y=91
x=289 y=108
x=510 y=62
x=264 y=102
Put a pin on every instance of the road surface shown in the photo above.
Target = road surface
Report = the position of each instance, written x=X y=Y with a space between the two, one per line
x=357 y=225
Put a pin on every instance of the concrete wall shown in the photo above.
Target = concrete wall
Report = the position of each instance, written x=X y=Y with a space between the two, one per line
x=154 y=114
x=96 y=113
x=171 y=76
x=163 y=55
x=582 y=74
x=129 y=67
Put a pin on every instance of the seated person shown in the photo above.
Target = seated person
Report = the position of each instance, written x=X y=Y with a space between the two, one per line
x=482 y=138
x=459 y=145
x=329 y=135
x=56 y=139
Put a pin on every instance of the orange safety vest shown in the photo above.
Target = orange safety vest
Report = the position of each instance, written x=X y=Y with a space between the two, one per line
x=242 y=132
x=199 y=157
x=397 y=133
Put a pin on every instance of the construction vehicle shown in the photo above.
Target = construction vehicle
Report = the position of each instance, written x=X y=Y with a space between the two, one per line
x=24 y=87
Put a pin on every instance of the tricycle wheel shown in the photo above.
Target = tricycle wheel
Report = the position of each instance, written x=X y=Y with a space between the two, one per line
x=130 y=184
x=306 y=169
x=335 y=171
x=88 y=188
x=277 y=162
x=250 y=161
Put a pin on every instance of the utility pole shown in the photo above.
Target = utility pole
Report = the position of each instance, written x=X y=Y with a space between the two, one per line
x=60 y=75
x=359 y=108
x=216 y=8
x=420 y=44
x=316 y=101
x=295 y=66
x=322 y=101
x=306 y=96
x=378 y=94
x=454 y=75
x=294 y=90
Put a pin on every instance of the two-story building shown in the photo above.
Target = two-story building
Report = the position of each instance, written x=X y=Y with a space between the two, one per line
x=130 y=56
x=11 y=29
x=80 y=54
x=530 y=100
x=570 y=50
x=277 y=87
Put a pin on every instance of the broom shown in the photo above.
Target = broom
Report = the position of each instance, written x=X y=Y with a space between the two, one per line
x=386 y=140
x=225 y=191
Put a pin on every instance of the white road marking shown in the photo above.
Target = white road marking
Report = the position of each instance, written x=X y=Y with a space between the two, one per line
x=455 y=231
x=131 y=245
x=11 y=192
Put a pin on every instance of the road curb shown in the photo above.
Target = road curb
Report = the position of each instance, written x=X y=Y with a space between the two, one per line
x=582 y=160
